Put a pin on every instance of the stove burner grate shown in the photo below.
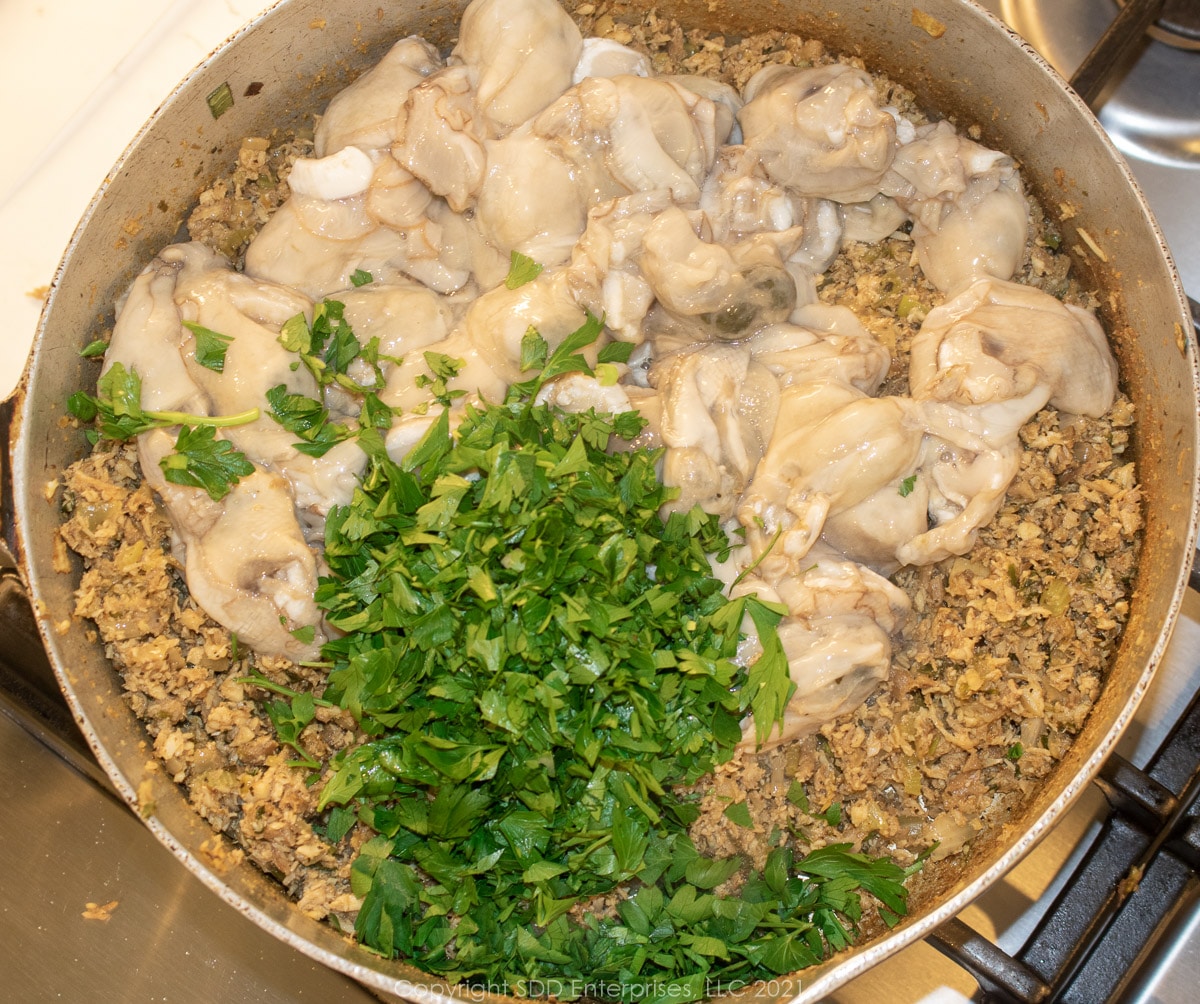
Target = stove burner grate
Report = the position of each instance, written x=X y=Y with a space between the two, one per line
x=1178 y=24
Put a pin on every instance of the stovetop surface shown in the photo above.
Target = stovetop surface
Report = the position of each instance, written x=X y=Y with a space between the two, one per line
x=1151 y=110
x=91 y=906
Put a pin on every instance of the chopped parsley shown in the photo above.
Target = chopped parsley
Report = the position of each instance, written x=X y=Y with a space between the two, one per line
x=907 y=486
x=200 y=459
x=798 y=796
x=739 y=813
x=543 y=667
x=308 y=419
x=521 y=269
x=210 y=346
x=326 y=346
x=442 y=369
x=93 y=349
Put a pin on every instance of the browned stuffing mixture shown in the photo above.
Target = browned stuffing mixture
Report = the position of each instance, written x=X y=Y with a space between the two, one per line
x=1005 y=653
x=182 y=679
x=234 y=209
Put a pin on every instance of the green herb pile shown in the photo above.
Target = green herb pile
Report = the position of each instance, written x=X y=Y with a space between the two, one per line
x=545 y=668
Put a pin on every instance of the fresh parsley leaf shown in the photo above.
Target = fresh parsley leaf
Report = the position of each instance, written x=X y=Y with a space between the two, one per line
x=797 y=795
x=342 y=350
x=341 y=821
x=534 y=350
x=880 y=877
x=739 y=813
x=211 y=346
x=305 y=634
x=308 y=419
x=907 y=486
x=295 y=335
x=442 y=369
x=564 y=358
x=615 y=352
x=290 y=720
x=83 y=406
x=201 y=460
x=769 y=686
x=117 y=405
x=361 y=277
x=375 y=414
x=94 y=348
x=370 y=354
x=521 y=269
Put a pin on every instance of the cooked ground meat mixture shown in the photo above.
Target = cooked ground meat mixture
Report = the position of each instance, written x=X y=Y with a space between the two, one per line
x=1001 y=661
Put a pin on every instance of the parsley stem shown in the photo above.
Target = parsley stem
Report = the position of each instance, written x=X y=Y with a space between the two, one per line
x=759 y=558
x=260 y=681
x=216 y=421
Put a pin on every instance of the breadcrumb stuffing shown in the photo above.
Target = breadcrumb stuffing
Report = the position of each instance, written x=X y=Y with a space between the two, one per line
x=187 y=685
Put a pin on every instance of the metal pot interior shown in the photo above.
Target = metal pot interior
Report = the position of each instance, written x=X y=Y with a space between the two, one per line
x=290 y=61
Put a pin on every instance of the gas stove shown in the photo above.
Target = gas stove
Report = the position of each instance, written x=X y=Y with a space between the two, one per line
x=91 y=905
x=1147 y=98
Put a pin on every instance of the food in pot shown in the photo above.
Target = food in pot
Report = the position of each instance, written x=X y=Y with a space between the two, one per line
x=846 y=334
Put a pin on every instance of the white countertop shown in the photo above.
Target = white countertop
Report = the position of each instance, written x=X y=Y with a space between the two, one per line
x=79 y=78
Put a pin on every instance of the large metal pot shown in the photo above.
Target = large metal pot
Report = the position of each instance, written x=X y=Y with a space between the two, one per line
x=291 y=59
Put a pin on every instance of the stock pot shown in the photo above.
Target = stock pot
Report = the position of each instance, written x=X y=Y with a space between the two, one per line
x=279 y=69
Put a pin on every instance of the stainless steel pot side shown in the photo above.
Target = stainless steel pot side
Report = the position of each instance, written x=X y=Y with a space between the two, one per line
x=288 y=62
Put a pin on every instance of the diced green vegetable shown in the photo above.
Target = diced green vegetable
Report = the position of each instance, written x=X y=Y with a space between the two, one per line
x=1056 y=597
x=220 y=100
